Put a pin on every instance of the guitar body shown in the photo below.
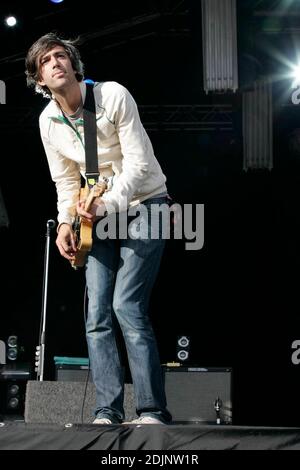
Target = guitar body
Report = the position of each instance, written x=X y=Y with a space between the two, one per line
x=85 y=243
x=83 y=228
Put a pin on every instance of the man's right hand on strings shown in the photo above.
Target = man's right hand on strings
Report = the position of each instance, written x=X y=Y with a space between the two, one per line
x=66 y=241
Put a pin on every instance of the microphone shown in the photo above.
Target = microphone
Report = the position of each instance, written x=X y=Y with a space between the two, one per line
x=218 y=405
x=51 y=223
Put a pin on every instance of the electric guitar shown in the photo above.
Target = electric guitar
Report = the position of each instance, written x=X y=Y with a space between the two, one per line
x=82 y=227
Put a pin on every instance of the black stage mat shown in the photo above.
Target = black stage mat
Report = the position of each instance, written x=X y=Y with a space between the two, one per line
x=23 y=436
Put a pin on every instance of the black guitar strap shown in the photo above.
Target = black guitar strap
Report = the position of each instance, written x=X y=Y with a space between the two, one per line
x=90 y=137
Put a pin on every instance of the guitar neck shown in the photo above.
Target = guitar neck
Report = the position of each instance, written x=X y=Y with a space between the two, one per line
x=96 y=191
x=89 y=201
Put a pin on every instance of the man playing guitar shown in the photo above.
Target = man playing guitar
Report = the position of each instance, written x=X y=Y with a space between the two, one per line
x=120 y=273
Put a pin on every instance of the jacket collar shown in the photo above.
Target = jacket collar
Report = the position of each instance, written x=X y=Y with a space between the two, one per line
x=54 y=110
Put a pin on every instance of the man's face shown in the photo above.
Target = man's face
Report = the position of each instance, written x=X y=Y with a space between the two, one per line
x=55 y=69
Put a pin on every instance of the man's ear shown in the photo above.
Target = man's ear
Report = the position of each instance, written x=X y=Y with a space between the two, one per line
x=41 y=83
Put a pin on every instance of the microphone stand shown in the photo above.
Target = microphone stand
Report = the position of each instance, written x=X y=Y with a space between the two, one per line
x=218 y=405
x=40 y=350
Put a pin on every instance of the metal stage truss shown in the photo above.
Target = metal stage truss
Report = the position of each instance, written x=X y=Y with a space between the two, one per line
x=162 y=118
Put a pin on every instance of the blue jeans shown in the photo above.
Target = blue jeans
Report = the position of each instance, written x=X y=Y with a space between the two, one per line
x=120 y=275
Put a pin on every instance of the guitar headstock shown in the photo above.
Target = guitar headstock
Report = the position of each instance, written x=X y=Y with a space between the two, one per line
x=98 y=189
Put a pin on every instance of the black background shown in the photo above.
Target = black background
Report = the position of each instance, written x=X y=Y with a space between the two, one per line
x=237 y=297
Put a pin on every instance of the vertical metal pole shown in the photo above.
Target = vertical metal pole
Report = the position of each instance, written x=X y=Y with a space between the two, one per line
x=40 y=354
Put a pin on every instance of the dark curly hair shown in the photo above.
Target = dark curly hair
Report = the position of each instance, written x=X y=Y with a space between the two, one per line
x=41 y=47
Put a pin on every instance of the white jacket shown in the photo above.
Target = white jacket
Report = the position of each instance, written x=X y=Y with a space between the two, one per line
x=124 y=151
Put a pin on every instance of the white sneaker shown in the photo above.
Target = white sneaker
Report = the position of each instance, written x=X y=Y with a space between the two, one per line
x=145 y=420
x=102 y=421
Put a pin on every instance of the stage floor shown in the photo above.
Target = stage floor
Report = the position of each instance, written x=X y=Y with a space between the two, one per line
x=18 y=435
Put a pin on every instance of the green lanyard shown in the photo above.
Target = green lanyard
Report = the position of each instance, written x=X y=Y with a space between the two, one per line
x=66 y=121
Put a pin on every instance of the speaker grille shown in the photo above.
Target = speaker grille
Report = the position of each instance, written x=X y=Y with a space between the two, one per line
x=62 y=402
x=192 y=393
